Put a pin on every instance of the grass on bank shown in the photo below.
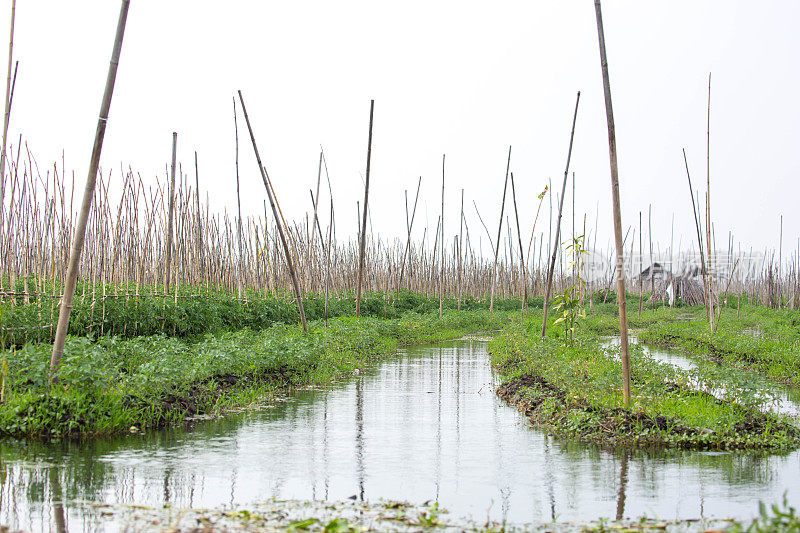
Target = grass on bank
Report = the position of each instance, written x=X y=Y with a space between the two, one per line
x=576 y=391
x=761 y=339
x=109 y=385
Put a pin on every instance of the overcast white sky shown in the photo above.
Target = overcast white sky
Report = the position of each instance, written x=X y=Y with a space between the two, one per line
x=463 y=78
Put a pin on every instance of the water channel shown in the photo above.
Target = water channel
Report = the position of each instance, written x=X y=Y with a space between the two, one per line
x=424 y=425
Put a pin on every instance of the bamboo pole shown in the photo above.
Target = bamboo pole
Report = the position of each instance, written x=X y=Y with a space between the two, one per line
x=170 y=215
x=499 y=229
x=640 y=263
x=703 y=269
x=441 y=270
x=272 y=201
x=238 y=204
x=409 y=226
x=521 y=251
x=460 y=254
x=363 y=232
x=200 y=251
x=556 y=247
x=650 y=237
x=80 y=230
x=709 y=247
x=7 y=113
x=612 y=151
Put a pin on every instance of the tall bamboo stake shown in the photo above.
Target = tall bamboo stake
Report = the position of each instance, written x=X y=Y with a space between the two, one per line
x=556 y=246
x=709 y=248
x=238 y=203
x=703 y=269
x=640 y=263
x=7 y=113
x=523 y=271
x=80 y=230
x=460 y=254
x=272 y=201
x=612 y=151
x=499 y=229
x=170 y=214
x=200 y=251
x=650 y=237
x=363 y=233
x=409 y=226
x=441 y=270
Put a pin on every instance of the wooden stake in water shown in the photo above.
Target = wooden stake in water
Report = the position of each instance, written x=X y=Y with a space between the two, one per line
x=88 y=193
x=363 y=233
x=612 y=151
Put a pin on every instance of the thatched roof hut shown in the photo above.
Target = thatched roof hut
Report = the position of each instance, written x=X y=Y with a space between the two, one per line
x=685 y=289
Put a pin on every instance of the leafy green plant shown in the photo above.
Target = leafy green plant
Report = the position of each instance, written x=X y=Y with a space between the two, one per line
x=774 y=519
x=570 y=304
x=430 y=516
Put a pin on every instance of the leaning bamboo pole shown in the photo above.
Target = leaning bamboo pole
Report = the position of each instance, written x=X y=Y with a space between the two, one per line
x=6 y=115
x=409 y=226
x=612 y=152
x=499 y=229
x=556 y=244
x=80 y=231
x=272 y=202
x=523 y=270
x=363 y=232
x=703 y=268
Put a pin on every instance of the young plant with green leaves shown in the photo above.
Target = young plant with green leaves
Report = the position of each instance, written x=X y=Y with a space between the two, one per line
x=570 y=304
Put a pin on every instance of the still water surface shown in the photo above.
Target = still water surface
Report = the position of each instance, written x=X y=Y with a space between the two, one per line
x=425 y=425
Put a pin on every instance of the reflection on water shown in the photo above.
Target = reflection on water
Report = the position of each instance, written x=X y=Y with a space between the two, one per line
x=423 y=426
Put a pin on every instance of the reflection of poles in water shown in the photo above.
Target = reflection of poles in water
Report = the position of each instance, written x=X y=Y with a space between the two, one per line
x=56 y=500
x=458 y=406
x=167 y=497
x=360 y=437
x=623 y=484
x=234 y=475
x=438 y=468
x=325 y=445
x=549 y=478
x=505 y=491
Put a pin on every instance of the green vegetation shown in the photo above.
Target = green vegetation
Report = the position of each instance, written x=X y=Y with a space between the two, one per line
x=195 y=313
x=576 y=391
x=570 y=304
x=113 y=385
x=775 y=518
x=761 y=339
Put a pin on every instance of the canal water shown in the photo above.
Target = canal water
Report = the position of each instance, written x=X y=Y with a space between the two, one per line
x=422 y=426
